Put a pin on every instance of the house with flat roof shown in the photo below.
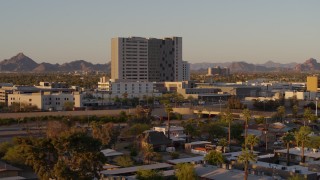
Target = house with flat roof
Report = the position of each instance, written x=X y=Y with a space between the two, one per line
x=176 y=132
x=311 y=155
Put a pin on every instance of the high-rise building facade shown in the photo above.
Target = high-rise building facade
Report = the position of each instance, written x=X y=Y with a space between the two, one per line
x=161 y=60
x=185 y=71
x=142 y=59
x=129 y=58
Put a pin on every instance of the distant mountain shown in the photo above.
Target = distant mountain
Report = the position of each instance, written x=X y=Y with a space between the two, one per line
x=309 y=65
x=242 y=66
x=17 y=63
x=246 y=67
x=271 y=64
x=22 y=63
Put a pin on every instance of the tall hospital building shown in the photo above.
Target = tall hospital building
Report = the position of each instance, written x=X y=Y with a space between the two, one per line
x=148 y=59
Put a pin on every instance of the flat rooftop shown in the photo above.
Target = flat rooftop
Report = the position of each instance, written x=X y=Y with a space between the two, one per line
x=297 y=151
x=136 y=168
x=215 y=173
x=186 y=160
x=302 y=169
x=199 y=142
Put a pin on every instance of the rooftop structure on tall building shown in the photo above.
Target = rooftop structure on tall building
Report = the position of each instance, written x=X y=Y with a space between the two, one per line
x=142 y=59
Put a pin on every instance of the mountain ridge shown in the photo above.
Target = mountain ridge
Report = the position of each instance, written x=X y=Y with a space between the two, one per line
x=22 y=63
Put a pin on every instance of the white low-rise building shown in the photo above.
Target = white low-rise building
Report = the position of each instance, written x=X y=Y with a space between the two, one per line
x=176 y=132
x=128 y=88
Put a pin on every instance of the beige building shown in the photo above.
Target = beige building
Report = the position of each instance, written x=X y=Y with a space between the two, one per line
x=129 y=58
x=313 y=83
x=45 y=100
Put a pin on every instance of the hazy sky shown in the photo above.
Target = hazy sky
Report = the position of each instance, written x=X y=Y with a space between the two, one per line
x=213 y=31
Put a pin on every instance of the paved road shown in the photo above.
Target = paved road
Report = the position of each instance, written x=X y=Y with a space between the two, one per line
x=157 y=111
x=66 y=113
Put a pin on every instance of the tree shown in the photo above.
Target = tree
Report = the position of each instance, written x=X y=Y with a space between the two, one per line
x=149 y=175
x=136 y=129
x=125 y=98
x=228 y=117
x=191 y=100
x=68 y=106
x=302 y=138
x=56 y=128
x=288 y=139
x=252 y=140
x=314 y=142
x=281 y=111
x=79 y=154
x=148 y=152
x=214 y=130
x=236 y=131
x=191 y=129
x=168 y=110
x=143 y=114
x=259 y=120
x=174 y=155
x=295 y=109
x=72 y=155
x=224 y=143
x=214 y=158
x=235 y=103
x=124 y=161
x=185 y=171
x=4 y=147
x=13 y=156
x=308 y=115
x=296 y=177
x=245 y=157
x=103 y=132
x=247 y=116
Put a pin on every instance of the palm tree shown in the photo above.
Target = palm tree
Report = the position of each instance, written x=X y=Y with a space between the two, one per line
x=288 y=138
x=245 y=157
x=228 y=117
x=223 y=142
x=247 y=116
x=168 y=110
x=302 y=137
x=148 y=152
x=252 y=140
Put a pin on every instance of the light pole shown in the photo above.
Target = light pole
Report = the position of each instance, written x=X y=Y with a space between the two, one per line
x=266 y=134
x=220 y=103
x=317 y=107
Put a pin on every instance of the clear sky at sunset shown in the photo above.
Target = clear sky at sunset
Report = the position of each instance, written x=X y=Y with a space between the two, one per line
x=213 y=31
